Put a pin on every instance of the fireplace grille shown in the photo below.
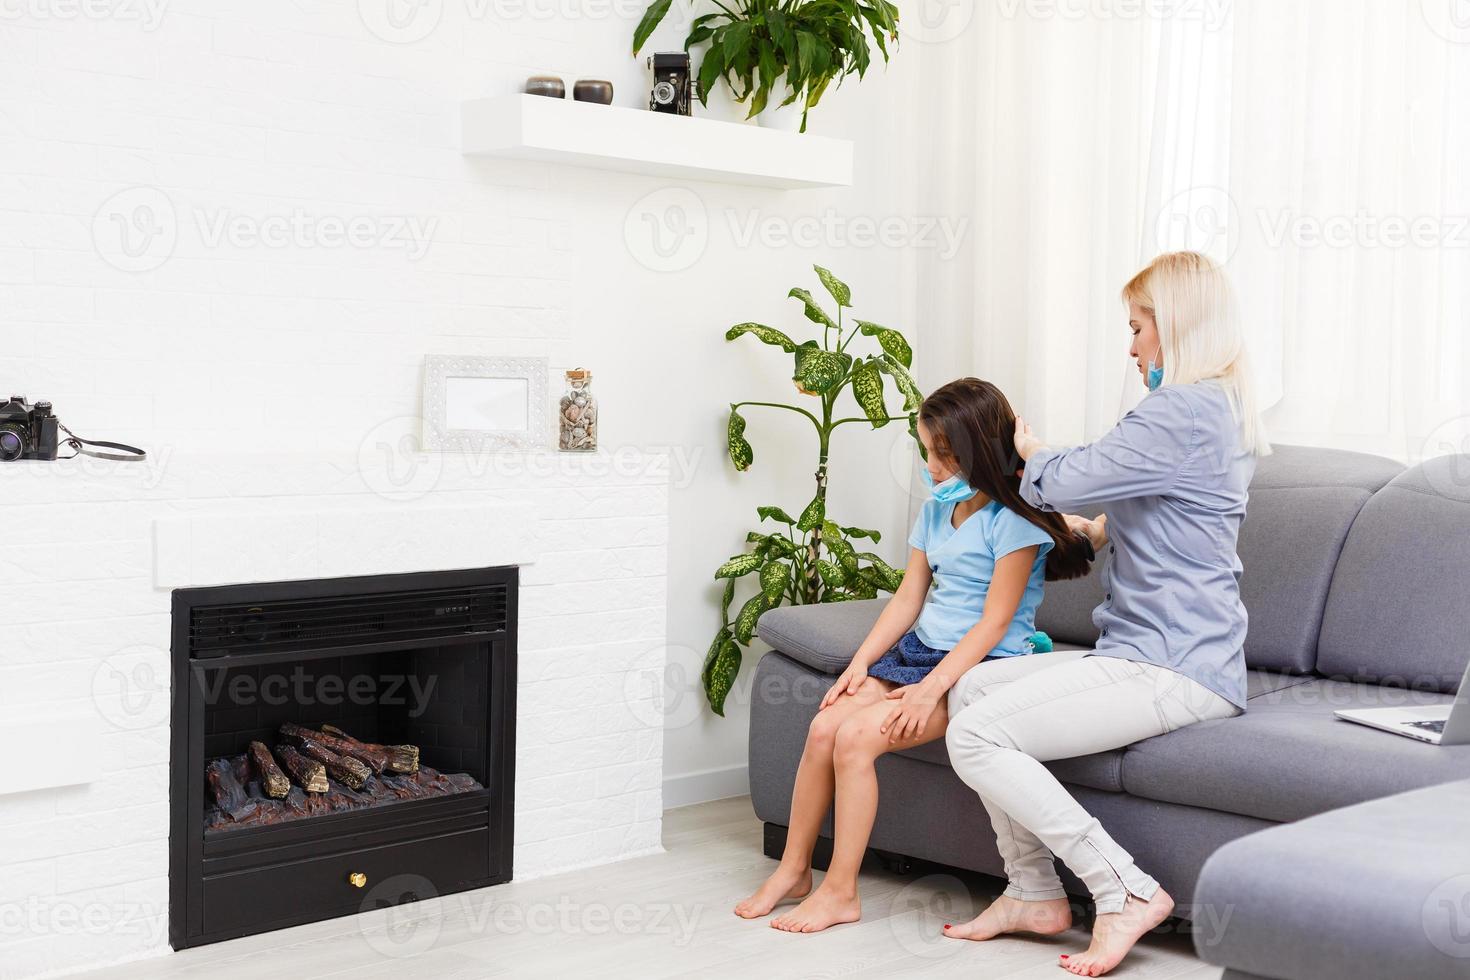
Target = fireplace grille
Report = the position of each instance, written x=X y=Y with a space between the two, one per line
x=300 y=624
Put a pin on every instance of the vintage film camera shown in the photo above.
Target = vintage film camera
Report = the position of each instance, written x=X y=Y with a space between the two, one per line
x=27 y=431
x=671 y=82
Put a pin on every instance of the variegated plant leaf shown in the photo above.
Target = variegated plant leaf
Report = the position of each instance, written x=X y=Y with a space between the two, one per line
x=862 y=532
x=914 y=433
x=721 y=666
x=819 y=371
x=839 y=289
x=738 y=566
x=740 y=452
x=833 y=575
x=749 y=614
x=892 y=342
x=725 y=600
x=813 y=516
x=912 y=398
x=774 y=576
x=769 y=335
x=784 y=545
x=770 y=511
x=814 y=312
x=867 y=388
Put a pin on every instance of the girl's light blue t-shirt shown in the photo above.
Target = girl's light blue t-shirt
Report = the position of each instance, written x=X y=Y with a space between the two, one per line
x=962 y=561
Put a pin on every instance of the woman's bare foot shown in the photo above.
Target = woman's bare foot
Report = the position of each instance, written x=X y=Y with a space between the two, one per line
x=822 y=908
x=1114 y=934
x=1007 y=914
x=783 y=883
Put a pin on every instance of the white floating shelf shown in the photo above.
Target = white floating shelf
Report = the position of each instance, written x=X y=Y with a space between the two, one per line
x=534 y=127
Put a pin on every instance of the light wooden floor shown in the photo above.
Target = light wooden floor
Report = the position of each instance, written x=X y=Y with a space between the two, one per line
x=665 y=915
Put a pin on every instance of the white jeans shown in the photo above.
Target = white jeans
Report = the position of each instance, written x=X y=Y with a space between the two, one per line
x=1009 y=716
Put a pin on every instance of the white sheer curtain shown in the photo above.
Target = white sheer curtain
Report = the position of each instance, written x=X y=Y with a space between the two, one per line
x=1071 y=144
x=1349 y=142
x=1317 y=146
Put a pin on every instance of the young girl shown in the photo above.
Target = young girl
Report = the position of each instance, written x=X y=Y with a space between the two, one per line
x=987 y=553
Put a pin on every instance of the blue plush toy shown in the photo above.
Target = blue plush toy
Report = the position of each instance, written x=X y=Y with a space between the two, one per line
x=1038 y=642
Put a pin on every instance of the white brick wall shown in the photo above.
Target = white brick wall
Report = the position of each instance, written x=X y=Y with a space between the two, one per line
x=83 y=871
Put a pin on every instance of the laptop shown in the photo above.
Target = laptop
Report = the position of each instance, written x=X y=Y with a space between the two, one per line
x=1444 y=724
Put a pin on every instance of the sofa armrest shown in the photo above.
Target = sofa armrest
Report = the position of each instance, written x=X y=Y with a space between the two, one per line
x=1379 y=889
x=822 y=636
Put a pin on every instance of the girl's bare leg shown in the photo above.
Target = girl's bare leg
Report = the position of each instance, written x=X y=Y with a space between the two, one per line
x=858 y=745
x=810 y=800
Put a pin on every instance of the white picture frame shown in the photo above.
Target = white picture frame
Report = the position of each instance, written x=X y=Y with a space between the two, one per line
x=485 y=404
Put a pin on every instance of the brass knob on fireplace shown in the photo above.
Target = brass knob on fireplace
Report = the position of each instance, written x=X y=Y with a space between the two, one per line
x=357 y=879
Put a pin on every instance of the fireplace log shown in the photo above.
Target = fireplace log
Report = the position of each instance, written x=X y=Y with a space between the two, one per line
x=272 y=780
x=309 y=774
x=397 y=758
x=228 y=794
x=343 y=768
x=376 y=756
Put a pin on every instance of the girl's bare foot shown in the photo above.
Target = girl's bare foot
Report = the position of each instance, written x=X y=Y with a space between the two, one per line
x=1114 y=934
x=824 y=907
x=783 y=883
x=1007 y=915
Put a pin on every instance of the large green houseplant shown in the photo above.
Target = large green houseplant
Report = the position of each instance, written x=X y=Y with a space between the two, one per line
x=811 y=558
x=789 y=49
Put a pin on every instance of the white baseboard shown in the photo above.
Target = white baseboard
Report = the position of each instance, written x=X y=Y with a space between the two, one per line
x=706 y=785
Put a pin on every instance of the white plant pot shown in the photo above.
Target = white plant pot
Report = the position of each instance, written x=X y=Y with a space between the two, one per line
x=783 y=117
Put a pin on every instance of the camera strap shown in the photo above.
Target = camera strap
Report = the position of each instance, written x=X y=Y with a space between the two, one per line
x=125 y=454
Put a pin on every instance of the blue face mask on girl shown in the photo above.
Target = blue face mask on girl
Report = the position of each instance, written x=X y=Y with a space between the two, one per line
x=951 y=491
x=1155 y=374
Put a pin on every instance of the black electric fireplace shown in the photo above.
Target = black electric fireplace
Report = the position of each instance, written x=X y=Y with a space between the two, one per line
x=338 y=745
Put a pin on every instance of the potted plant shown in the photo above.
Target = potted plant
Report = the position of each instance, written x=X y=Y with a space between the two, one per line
x=811 y=558
x=780 y=55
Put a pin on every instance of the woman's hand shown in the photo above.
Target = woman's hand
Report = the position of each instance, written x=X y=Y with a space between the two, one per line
x=852 y=678
x=1026 y=441
x=916 y=704
x=1096 y=531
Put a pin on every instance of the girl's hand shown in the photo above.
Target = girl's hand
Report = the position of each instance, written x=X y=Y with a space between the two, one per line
x=1026 y=441
x=852 y=678
x=909 y=718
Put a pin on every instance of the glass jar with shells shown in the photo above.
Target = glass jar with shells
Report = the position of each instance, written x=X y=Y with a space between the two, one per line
x=578 y=415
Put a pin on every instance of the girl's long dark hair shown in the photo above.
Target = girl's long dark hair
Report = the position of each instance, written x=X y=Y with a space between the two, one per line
x=971 y=422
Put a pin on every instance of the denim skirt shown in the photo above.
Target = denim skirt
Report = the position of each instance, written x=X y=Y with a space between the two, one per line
x=908 y=661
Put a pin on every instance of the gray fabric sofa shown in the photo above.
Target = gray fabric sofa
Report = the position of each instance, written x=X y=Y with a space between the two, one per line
x=1357 y=583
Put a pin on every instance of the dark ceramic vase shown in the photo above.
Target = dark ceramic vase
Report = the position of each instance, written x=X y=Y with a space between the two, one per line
x=547 y=85
x=593 y=90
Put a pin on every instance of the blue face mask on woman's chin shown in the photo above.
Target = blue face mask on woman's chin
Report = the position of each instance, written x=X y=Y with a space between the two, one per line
x=951 y=491
x=1155 y=375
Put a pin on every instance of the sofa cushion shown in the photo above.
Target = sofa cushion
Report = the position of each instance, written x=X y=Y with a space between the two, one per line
x=1361 y=882
x=1302 y=503
x=1397 y=609
x=823 y=636
x=1288 y=757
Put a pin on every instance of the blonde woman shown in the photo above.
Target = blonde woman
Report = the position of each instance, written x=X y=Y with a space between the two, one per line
x=1171 y=481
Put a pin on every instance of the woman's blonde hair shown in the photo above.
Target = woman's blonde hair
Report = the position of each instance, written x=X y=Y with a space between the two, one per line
x=1190 y=299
